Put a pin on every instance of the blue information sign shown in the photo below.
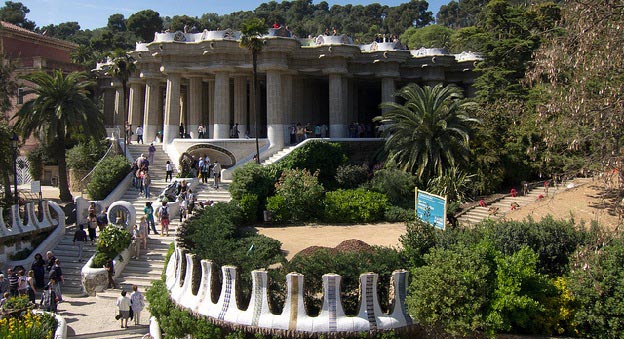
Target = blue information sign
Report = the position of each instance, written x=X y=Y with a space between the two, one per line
x=431 y=209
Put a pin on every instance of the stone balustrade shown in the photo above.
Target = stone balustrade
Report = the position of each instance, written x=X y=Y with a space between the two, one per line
x=293 y=318
x=18 y=235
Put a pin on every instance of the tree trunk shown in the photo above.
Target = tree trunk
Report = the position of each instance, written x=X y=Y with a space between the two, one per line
x=254 y=57
x=65 y=193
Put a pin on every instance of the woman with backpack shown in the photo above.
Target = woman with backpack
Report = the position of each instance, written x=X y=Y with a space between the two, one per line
x=164 y=219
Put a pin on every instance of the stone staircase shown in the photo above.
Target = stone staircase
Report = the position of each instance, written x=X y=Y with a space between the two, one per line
x=477 y=213
x=150 y=265
x=280 y=154
x=67 y=253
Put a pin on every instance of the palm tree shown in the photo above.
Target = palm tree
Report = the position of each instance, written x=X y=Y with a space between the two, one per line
x=429 y=131
x=253 y=29
x=123 y=65
x=62 y=107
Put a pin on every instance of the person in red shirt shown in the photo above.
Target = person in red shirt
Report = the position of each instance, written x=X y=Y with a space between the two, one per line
x=276 y=25
x=513 y=192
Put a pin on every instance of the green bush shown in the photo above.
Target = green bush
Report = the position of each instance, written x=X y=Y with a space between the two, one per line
x=107 y=176
x=299 y=196
x=354 y=206
x=595 y=281
x=452 y=290
x=399 y=214
x=398 y=186
x=349 y=265
x=84 y=156
x=319 y=155
x=111 y=242
x=248 y=205
x=351 y=176
x=253 y=179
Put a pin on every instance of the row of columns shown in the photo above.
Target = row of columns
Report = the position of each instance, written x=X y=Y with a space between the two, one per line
x=146 y=106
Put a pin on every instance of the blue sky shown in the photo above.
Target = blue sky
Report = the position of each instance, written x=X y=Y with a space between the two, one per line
x=92 y=14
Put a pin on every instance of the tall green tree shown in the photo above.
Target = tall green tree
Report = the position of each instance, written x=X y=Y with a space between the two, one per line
x=432 y=36
x=62 y=107
x=123 y=66
x=15 y=13
x=253 y=29
x=8 y=89
x=430 y=131
x=144 y=24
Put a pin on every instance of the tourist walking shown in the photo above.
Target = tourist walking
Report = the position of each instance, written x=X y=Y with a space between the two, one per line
x=57 y=274
x=201 y=131
x=139 y=133
x=4 y=285
x=51 y=259
x=30 y=288
x=149 y=214
x=49 y=301
x=13 y=282
x=150 y=153
x=147 y=182
x=80 y=237
x=164 y=219
x=181 y=130
x=138 y=303
x=204 y=168
x=102 y=219
x=109 y=266
x=123 y=303
x=22 y=283
x=169 y=171
x=143 y=231
x=216 y=169
x=38 y=266
x=136 y=242
x=92 y=225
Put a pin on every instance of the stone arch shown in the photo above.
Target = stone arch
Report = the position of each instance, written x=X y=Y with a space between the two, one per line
x=215 y=153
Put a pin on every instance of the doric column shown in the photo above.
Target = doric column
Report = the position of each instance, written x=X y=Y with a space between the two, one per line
x=135 y=111
x=172 y=109
x=222 y=105
x=287 y=108
x=151 y=122
x=275 y=112
x=195 y=105
x=387 y=91
x=240 y=104
x=337 y=113
x=210 y=121
x=120 y=108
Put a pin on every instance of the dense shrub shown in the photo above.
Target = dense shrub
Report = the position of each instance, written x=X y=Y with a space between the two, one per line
x=249 y=206
x=351 y=176
x=354 y=206
x=84 y=156
x=253 y=179
x=349 y=265
x=399 y=214
x=298 y=196
x=553 y=240
x=595 y=281
x=26 y=325
x=107 y=176
x=398 y=186
x=323 y=156
x=111 y=241
x=452 y=290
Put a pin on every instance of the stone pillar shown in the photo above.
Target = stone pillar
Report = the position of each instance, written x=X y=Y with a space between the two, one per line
x=388 y=88
x=240 y=104
x=172 y=109
x=275 y=112
x=152 y=111
x=211 y=98
x=337 y=115
x=120 y=109
x=222 y=105
x=287 y=108
x=135 y=111
x=195 y=105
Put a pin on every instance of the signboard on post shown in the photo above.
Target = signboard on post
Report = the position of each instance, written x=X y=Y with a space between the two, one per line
x=431 y=209
x=35 y=186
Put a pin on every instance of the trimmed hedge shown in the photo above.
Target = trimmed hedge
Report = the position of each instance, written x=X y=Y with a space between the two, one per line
x=107 y=176
x=354 y=206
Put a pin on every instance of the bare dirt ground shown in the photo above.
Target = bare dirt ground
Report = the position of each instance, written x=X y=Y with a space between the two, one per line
x=296 y=238
x=592 y=201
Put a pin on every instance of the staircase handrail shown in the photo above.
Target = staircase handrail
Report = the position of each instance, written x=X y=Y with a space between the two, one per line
x=99 y=162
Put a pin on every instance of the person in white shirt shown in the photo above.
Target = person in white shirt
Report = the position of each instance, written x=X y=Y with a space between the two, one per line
x=123 y=303
x=138 y=303
x=169 y=171
x=139 y=133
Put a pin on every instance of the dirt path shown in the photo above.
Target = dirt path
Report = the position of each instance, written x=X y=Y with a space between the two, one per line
x=296 y=238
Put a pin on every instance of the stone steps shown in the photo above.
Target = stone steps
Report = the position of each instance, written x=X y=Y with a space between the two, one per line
x=121 y=333
x=280 y=154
